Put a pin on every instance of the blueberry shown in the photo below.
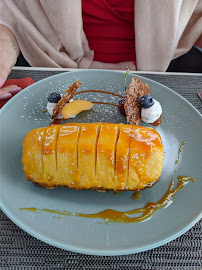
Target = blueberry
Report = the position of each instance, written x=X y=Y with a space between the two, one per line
x=54 y=97
x=146 y=102
x=121 y=105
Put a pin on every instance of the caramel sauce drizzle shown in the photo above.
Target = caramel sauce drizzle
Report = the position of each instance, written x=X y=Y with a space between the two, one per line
x=135 y=196
x=57 y=121
x=111 y=215
x=98 y=91
x=105 y=103
x=157 y=122
x=147 y=211
x=179 y=151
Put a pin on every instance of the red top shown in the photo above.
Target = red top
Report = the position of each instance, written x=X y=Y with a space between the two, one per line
x=109 y=28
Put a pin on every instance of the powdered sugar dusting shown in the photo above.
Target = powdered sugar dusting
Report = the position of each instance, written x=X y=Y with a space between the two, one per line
x=35 y=109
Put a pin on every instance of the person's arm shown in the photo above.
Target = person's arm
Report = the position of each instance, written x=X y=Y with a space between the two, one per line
x=199 y=42
x=9 y=51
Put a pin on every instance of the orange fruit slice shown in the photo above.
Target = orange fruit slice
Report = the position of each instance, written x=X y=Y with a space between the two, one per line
x=75 y=107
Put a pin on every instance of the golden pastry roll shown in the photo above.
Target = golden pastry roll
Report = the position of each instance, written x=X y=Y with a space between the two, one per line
x=100 y=156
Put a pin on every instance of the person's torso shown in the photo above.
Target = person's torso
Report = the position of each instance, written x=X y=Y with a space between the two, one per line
x=109 y=28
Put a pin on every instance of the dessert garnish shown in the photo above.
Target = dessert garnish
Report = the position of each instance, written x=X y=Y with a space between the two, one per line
x=122 y=100
x=127 y=71
x=75 y=107
x=53 y=99
x=69 y=94
x=138 y=105
x=146 y=102
x=62 y=107
x=121 y=106
x=135 y=91
x=151 y=109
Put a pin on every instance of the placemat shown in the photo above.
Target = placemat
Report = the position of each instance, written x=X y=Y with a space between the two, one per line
x=18 y=250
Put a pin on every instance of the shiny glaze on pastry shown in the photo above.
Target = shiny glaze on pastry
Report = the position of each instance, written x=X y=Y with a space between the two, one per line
x=93 y=156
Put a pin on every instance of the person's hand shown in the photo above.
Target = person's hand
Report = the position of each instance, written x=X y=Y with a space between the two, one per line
x=9 y=91
x=9 y=51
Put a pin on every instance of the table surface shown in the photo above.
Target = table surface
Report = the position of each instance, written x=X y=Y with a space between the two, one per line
x=18 y=250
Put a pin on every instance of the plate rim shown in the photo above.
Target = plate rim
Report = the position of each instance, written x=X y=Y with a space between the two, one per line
x=98 y=252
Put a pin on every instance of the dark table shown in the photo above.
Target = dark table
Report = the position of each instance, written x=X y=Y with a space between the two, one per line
x=18 y=250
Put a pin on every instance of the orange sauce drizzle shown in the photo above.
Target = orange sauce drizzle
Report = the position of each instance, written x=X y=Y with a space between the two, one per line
x=179 y=151
x=111 y=215
x=57 y=122
x=135 y=196
x=157 y=122
x=99 y=91
x=105 y=103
